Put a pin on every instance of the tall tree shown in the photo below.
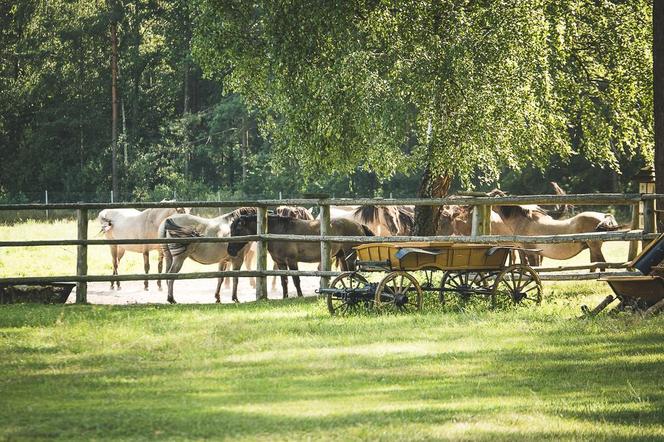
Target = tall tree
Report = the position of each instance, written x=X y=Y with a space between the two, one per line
x=476 y=85
x=658 y=89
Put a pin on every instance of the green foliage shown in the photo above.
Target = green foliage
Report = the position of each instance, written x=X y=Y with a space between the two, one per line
x=468 y=88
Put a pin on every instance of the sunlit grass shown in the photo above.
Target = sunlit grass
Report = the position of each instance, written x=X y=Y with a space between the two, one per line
x=287 y=370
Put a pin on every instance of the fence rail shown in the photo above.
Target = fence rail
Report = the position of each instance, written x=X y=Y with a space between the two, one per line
x=481 y=234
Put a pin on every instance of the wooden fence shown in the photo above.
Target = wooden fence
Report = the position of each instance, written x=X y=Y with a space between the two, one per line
x=480 y=234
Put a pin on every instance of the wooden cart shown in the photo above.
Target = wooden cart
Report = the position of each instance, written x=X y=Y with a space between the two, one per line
x=469 y=270
x=644 y=291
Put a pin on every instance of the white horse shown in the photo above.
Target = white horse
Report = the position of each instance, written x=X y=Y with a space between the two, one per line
x=134 y=224
x=190 y=226
x=382 y=220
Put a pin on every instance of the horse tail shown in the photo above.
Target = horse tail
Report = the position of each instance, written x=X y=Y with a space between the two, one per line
x=608 y=224
x=172 y=230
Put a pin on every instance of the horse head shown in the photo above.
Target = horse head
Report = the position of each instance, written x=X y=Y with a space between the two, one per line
x=241 y=226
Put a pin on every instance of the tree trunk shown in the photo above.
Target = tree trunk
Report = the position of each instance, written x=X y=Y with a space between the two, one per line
x=114 y=105
x=658 y=99
x=431 y=186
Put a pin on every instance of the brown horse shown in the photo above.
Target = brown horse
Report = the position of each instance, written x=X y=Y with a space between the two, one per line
x=287 y=254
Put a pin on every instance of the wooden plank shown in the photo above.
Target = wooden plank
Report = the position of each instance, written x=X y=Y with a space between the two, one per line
x=261 y=253
x=634 y=245
x=649 y=220
x=82 y=256
x=490 y=239
x=325 y=263
x=96 y=242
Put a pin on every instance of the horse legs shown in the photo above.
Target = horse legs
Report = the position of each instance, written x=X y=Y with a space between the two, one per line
x=146 y=267
x=596 y=255
x=217 y=293
x=274 y=278
x=119 y=255
x=292 y=265
x=114 y=261
x=237 y=265
x=284 y=279
x=176 y=265
x=160 y=267
x=250 y=260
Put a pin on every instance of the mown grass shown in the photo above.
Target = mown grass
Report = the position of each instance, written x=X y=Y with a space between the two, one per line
x=286 y=370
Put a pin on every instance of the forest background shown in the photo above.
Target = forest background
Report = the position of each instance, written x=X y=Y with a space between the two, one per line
x=184 y=127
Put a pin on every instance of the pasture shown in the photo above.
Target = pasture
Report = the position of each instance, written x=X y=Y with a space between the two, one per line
x=287 y=370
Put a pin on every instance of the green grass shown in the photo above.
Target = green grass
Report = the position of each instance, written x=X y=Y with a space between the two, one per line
x=286 y=370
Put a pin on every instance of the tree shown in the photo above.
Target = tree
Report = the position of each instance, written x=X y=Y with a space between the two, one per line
x=658 y=89
x=452 y=88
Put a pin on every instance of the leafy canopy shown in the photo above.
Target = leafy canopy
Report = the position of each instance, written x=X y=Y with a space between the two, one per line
x=465 y=87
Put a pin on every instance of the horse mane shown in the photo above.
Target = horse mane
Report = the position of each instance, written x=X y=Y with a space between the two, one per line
x=242 y=211
x=527 y=211
x=294 y=212
x=406 y=219
x=386 y=215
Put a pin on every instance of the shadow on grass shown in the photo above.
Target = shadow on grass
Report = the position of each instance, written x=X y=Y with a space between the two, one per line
x=253 y=372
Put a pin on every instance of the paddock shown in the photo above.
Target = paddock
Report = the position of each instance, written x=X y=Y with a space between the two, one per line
x=642 y=229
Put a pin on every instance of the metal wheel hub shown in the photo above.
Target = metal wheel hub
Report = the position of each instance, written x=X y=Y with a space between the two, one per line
x=400 y=299
x=518 y=296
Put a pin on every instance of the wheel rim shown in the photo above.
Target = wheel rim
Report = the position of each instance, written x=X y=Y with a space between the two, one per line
x=399 y=291
x=518 y=284
x=344 y=302
x=465 y=284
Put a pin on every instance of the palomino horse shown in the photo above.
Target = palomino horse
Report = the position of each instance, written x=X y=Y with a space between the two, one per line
x=190 y=226
x=134 y=224
x=287 y=254
x=533 y=220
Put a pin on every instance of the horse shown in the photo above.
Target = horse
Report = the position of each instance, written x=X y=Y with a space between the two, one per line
x=290 y=212
x=533 y=220
x=134 y=224
x=385 y=220
x=287 y=254
x=190 y=226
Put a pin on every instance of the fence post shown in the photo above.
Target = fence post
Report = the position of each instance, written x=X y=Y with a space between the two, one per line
x=46 y=201
x=648 y=219
x=325 y=264
x=111 y=196
x=261 y=253
x=82 y=256
x=634 y=245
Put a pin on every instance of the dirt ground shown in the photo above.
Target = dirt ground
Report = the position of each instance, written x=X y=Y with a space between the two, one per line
x=192 y=291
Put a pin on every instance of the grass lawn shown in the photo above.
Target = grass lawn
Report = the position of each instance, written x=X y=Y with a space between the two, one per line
x=286 y=370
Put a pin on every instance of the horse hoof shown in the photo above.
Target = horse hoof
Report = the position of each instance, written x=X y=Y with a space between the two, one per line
x=218 y=301
x=145 y=289
x=235 y=300
x=172 y=301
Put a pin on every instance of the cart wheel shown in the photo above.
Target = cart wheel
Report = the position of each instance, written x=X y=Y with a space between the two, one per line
x=520 y=284
x=399 y=291
x=344 y=301
x=466 y=284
